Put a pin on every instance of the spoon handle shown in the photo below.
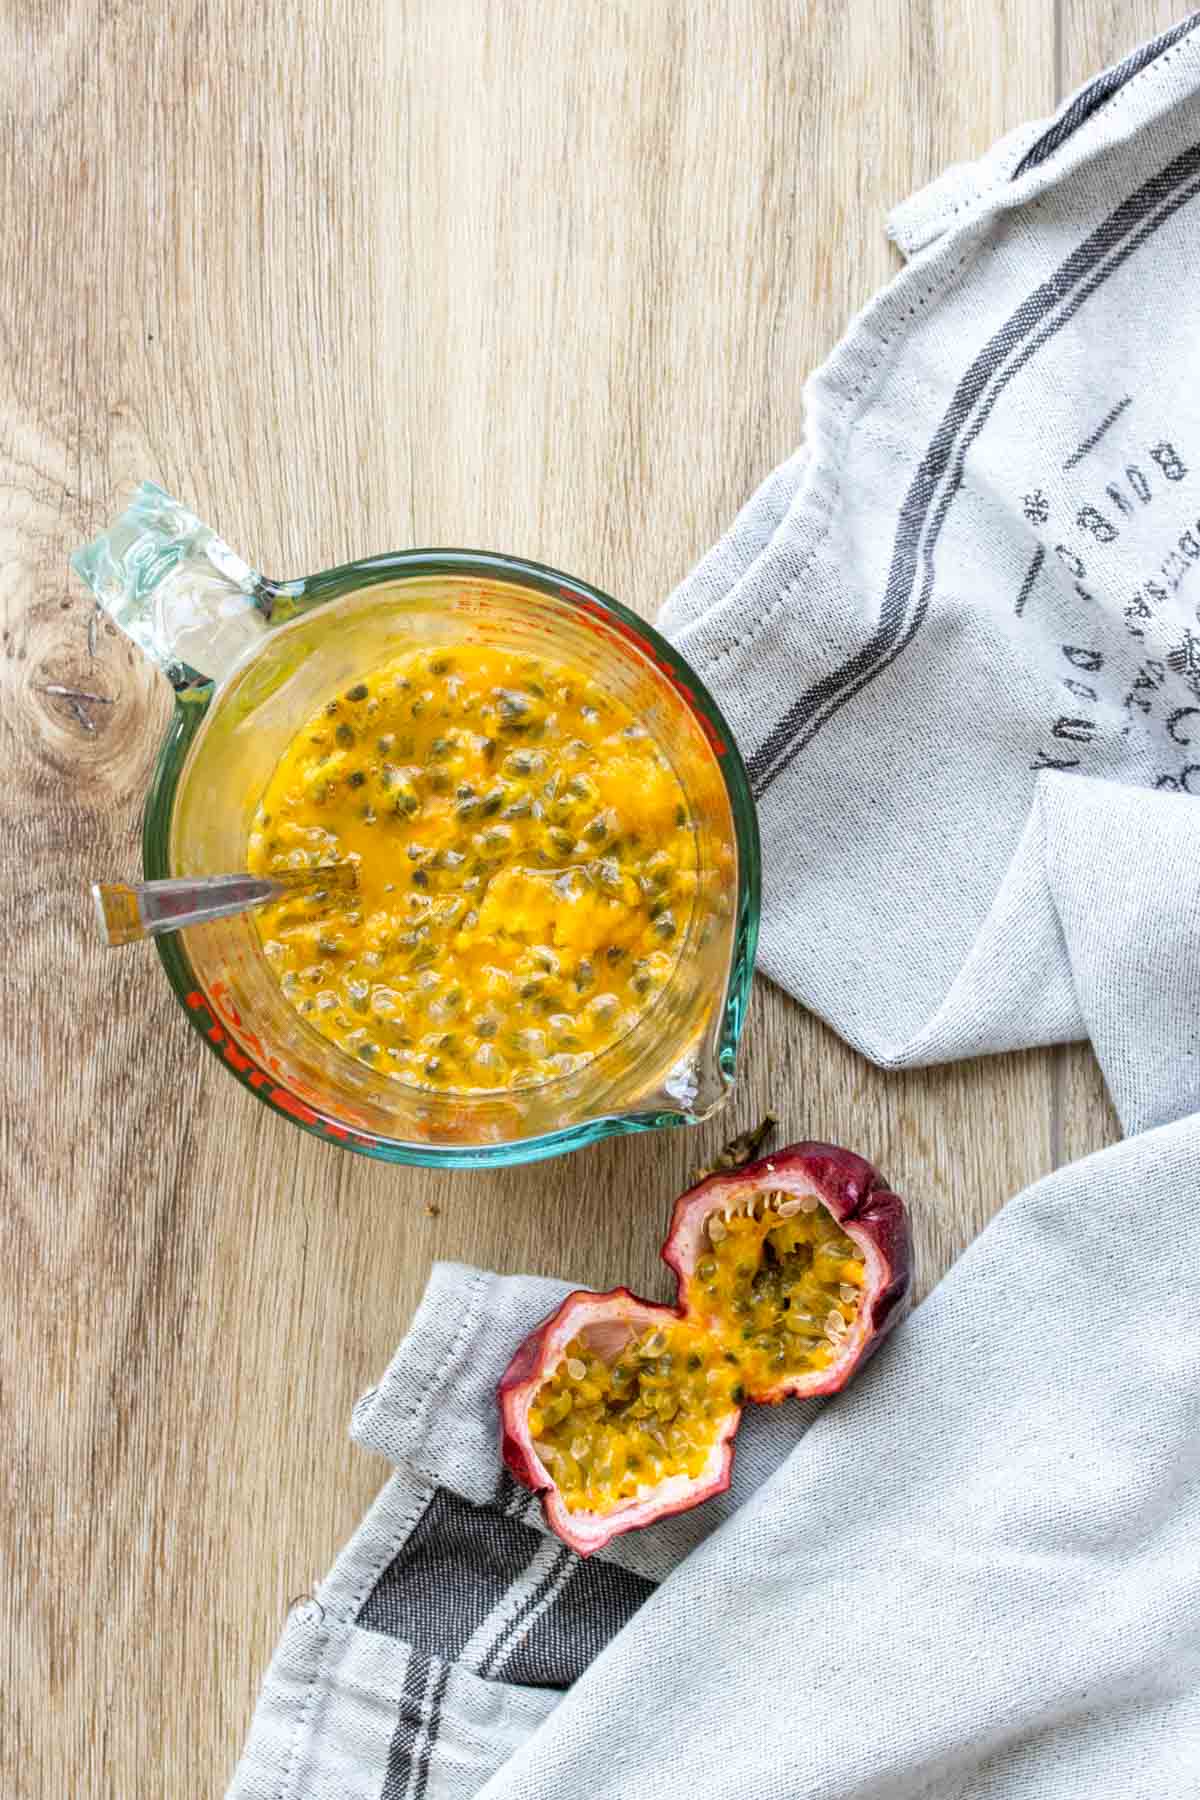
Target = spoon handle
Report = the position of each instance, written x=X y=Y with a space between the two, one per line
x=128 y=911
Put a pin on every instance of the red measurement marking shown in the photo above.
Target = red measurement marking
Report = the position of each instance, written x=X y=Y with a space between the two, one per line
x=225 y=1009
x=252 y=1076
x=297 y=1108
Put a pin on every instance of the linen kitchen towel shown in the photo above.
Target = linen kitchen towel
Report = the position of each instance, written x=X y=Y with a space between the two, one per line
x=957 y=638
x=453 y=1621
x=983 y=565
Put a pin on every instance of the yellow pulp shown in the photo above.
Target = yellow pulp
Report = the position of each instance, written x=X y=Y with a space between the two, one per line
x=772 y=1297
x=526 y=869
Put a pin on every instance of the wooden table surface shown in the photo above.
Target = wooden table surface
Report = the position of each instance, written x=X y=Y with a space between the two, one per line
x=528 y=275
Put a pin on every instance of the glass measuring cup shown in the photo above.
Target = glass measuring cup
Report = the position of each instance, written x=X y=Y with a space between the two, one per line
x=250 y=659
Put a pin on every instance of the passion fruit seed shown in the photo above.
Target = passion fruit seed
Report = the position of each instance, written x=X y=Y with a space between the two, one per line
x=761 y=1287
x=779 y=1299
x=470 y=766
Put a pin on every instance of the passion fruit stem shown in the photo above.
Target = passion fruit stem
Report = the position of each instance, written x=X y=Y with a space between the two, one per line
x=747 y=1147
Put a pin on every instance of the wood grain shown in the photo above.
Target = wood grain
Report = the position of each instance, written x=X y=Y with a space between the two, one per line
x=540 y=277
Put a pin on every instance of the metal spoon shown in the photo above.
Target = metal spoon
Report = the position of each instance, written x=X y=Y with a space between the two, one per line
x=128 y=911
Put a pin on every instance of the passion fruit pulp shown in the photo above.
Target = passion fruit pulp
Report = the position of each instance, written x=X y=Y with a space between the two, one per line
x=789 y=1273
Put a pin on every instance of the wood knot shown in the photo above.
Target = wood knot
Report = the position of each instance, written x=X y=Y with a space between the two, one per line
x=83 y=704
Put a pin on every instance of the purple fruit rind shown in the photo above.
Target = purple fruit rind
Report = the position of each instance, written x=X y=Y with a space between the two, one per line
x=588 y=1532
x=857 y=1196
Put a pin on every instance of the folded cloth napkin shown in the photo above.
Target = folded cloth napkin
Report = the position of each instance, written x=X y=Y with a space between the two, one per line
x=956 y=637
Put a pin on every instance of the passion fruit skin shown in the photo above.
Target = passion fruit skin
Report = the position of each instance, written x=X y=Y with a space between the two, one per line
x=866 y=1209
x=857 y=1196
x=540 y=1351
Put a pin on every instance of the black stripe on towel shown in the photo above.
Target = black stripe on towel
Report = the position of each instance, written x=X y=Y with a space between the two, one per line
x=452 y=1571
x=408 y=1726
x=596 y=1600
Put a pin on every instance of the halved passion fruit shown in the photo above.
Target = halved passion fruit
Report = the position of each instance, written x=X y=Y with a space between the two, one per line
x=789 y=1274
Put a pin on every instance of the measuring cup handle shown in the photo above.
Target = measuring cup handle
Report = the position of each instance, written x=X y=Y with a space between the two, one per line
x=192 y=605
